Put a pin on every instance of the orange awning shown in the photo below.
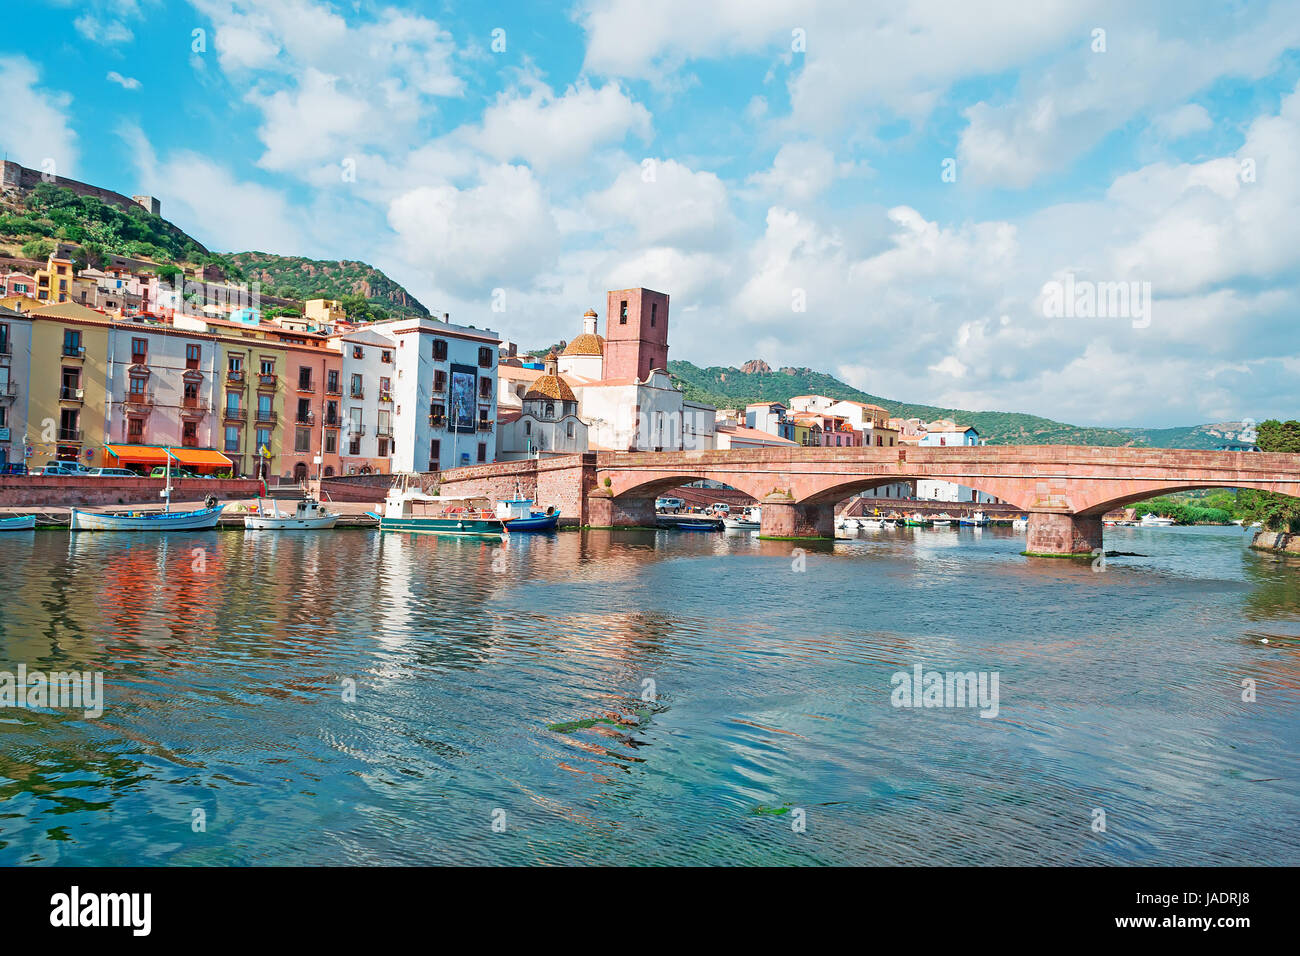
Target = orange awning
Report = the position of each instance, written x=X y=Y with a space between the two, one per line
x=201 y=458
x=138 y=454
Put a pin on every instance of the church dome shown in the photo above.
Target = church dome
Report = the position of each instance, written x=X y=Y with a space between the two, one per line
x=588 y=343
x=550 y=386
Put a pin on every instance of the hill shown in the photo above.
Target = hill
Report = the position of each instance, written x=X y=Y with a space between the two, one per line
x=361 y=285
x=756 y=382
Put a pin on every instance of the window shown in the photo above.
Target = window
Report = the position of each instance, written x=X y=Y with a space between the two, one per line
x=654 y=312
x=139 y=351
x=385 y=423
x=331 y=413
x=570 y=429
x=304 y=378
x=437 y=412
x=332 y=381
x=193 y=353
x=302 y=439
x=191 y=394
x=232 y=438
x=235 y=363
x=304 y=410
x=232 y=404
x=354 y=446
x=354 y=416
x=71 y=342
x=435 y=454
x=264 y=408
x=357 y=391
x=485 y=357
x=439 y=382
x=263 y=440
x=386 y=356
x=482 y=452
x=622 y=312
x=385 y=389
x=190 y=434
x=383 y=447
x=485 y=387
x=268 y=366
x=331 y=442
x=4 y=339
x=138 y=386
x=357 y=352
x=135 y=429
x=550 y=410
x=439 y=350
x=528 y=427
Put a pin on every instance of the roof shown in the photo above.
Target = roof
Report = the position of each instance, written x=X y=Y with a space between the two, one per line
x=157 y=455
x=753 y=434
x=585 y=344
x=552 y=387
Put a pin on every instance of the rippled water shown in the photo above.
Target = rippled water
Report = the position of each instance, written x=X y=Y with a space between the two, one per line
x=490 y=680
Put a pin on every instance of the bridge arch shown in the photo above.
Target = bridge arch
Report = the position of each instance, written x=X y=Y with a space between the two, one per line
x=654 y=486
x=1136 y=497
x=839 y=488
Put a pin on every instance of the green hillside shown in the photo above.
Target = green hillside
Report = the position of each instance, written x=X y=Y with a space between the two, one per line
x=736 y=388
x=365 y=291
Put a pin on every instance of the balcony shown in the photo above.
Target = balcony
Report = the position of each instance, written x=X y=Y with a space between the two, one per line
x=357 y=393
x=194 y=407
x=138 y=401
x=304 y=418
x=235 y=376
x=5 y=347
x=266 y=416
x=484 y=426
x=233 y=414
x=384 y=431
x=333 y=388
x=356 y=431
x=437 y=421
x=306 y=385
x=333 y=421
x=70 y=434
x=385 y=396
x=8 y=391
x=74 y=351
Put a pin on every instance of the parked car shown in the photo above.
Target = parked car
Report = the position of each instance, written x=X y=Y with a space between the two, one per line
x=719 y=508
x=669 y=504
x=160 y=471
x=112 y=473
x=73 y=468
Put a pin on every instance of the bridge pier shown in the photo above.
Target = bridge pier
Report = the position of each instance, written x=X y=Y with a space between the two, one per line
x=604 y=511
x=1056 y=535
x=782 y=518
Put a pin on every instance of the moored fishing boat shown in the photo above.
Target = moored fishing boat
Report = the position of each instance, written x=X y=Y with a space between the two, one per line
x=1155 y=521
x=408 y=508
x=309 y=515
x=942 y=520
x=750 y=520
x=978 y=520
x=18 y=523
x=201 y=519
x=916 y=520
x=1020 y=524
x=872 y=524
x=520 y=516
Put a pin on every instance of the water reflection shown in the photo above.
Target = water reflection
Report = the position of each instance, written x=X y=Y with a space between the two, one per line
x=641 y=697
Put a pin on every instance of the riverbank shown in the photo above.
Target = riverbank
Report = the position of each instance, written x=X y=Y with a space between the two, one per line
x=1276 y=541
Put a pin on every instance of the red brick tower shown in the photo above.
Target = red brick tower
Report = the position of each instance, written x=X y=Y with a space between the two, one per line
x=636 y=333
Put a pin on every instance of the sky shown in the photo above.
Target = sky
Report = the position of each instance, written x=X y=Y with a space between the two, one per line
x=902 y=194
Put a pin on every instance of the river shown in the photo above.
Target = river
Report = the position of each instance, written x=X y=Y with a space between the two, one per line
x=348 y=697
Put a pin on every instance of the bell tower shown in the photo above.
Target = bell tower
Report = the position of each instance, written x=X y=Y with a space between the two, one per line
x=636 y=333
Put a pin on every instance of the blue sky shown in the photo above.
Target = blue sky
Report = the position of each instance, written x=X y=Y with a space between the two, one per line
x=746 y=159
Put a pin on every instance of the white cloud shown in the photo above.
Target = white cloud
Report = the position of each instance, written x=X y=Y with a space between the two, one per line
x=37 y=126
x=662 y=202
x=99 y=30
x=1183 y=121
x=545 y=130
x=499 y=233
x=802 y=171
x=126 y=82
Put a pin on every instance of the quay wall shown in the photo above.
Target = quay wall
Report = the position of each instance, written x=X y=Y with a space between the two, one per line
x=1276 y=541
x=68 y=491
x=562 y=482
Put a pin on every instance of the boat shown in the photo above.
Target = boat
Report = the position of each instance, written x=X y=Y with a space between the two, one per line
x=697 y=525
x=851 y=524
x=18 y=523
x=308 y=515
x=942 y=520
x=916 y=520
x=750 y=520
x=519 y=515
x=1155 y=521
x=978 y=520
x=201 y=519
x=872 y=524
x=408 y=508
x=1020 y=524
x=890 y=524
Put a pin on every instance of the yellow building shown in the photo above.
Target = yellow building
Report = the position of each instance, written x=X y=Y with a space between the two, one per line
x=324 y=311
x=67 y=410
x=58 y=282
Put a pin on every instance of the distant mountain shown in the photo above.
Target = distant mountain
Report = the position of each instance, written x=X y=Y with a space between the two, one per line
x=756 y=382
x=295 y=277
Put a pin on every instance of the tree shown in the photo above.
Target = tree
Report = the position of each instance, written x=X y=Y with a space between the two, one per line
x=38 y=249
x=1276 y=512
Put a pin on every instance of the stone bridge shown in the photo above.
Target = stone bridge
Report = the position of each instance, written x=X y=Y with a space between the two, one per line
x=1065 y=489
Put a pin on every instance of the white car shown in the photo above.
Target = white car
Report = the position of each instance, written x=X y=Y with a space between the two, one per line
x=112 y=473
x=669 y=504
x=719 y=508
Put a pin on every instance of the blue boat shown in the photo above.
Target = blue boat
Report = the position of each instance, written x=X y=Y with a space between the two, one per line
x=18 y=523
x=519 y=516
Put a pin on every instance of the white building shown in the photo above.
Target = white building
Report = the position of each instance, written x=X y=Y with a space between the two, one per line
x=164 y=386
x=444 y=393
x=547 y=422
x=947 y=434
x=366 y=415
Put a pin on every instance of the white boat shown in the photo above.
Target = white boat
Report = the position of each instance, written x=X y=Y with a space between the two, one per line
x=750 y=520
x=890 y=525
x=851 y=524
x=1020 y=524
x=872 y=524
x=200 y=519
x=978 y=520
x=942 y=520
x=308 y=515
x=1155 y=521
x=18 y=523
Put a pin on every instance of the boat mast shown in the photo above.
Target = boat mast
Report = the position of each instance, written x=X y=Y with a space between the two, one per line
x=167 y=492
